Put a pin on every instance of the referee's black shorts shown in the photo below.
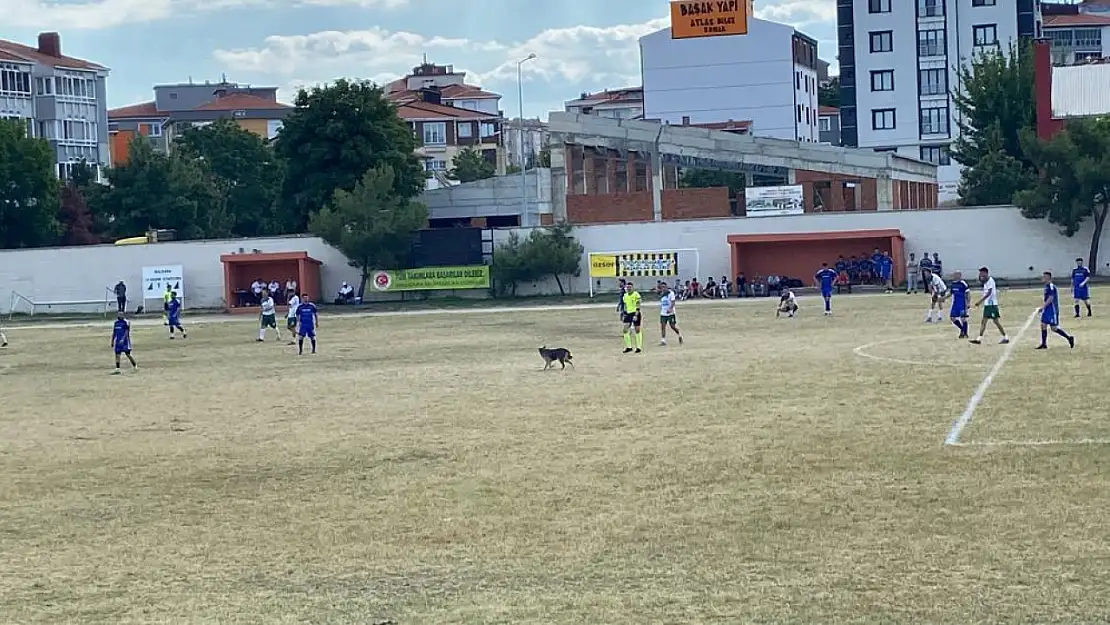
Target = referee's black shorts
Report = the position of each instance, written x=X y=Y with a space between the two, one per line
x=632 y=318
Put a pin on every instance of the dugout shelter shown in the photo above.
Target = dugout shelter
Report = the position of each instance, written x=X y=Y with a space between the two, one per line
x=800 y=254
x=240 y=270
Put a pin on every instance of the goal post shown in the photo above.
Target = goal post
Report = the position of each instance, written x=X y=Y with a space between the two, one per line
x=22 y=304
x=658 y=264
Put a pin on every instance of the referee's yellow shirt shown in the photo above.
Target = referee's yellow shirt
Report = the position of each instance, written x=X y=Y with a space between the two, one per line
x=166 y=297
x=632 y=302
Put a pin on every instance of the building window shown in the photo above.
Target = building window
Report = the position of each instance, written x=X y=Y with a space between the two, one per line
x=883 y=119
x=434 y=165
x=932 y=81
x=824 y=124
x=1088 y=39
x=982 y=3
x=797 y=81
x=799 y=114
x=931 y=43
x=14 y=80
x=935 y=154
x=882 y=80
x=878 y=6
x=465 y=130
x=985 y=34
x=487 y=129
x=930 y=8
x=435 y=133
x=934 y=121
x=1087 y=56
x=882 y=41
x=150 y=130
x=44 y=86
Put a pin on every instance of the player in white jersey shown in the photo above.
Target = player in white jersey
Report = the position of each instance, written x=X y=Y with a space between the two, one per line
x=938 y=291
x=291 y=317
x=989 y=302
x=268 y=317
x=667 y=318
x=788 y=304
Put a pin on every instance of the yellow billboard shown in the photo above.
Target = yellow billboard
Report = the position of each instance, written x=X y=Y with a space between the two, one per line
x=603 y=266
x=715 y=18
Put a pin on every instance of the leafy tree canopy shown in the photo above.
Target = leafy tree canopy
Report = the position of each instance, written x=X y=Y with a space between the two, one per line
x=1073 y=182
x=469 y=165
x=74 y=218
x=28 y=188
x=153 y=190
x=371 y=224
x=829 y=95
x=248 y=171
x=995 y=105
x=547 y=253
x=333 y=137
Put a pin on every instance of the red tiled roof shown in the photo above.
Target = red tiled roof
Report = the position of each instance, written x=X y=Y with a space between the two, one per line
x=417 y=109
x=4 y=56
x=633 y=94
x=1082 y=19
x=467 y=91
x=729 y=126
x=30 y=54
x=241 y=101
x=828 y=110
x=144 y=110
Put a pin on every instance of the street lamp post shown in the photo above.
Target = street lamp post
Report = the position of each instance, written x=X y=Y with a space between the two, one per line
x=520 y=136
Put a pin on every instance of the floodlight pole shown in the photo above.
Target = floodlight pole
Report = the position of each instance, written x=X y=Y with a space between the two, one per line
x=520 y=136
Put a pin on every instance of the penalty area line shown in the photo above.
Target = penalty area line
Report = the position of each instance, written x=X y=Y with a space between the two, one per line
x=961 y=422
x=1047 y=443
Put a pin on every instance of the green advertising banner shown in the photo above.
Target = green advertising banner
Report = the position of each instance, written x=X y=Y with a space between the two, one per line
x=431 y=279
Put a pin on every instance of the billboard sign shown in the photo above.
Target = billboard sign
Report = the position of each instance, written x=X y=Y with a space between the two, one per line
x=690 y=20
x=431 y=279
x=774 y=201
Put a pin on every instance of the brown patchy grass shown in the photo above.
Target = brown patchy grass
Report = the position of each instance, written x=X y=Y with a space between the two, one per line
x=422 y=469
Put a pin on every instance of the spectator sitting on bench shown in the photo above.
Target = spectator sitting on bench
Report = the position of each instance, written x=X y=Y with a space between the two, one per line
x=722 y=288
x=843 y=281
x=695 y=287
x=741 y=285
x=710 y=289
x=759 y=289
x=346 y=295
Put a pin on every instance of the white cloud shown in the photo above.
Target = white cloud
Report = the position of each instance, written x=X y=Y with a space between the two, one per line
x=101 y=14
x=799 y=12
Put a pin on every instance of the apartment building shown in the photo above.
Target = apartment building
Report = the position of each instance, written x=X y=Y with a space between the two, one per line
x=447 y=115
x=178 y=107
x=61 y=98
x=828 y=125
x=524 y=140
x=884 y=42
x=625 y=103
x=766 y=80
x=1079 y=33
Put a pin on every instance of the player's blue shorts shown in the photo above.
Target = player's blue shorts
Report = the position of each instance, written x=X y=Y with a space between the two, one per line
x=826 y=292
x=307 y=333
x=1050 y=317
x=957 y=312
x=1081 y=292
x=175 y=321
x=122 y=347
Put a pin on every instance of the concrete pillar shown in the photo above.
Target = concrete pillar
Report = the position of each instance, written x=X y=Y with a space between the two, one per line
x=656 y=171
x=559 y=168
x=884 y=193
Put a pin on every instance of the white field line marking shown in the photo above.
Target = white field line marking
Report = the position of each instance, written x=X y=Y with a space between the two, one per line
x=862 y=351
x=1049 y=443
x=977 y=397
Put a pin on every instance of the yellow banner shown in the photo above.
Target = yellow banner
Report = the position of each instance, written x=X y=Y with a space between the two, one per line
x=655 y=264
x=603 y=266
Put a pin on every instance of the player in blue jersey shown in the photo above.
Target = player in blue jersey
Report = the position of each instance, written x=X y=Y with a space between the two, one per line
x=121 y=342
x=826 y=278
x=1050 y=313
x=173 y=316
x=1080 y=277
x=307 y=321
x=961 y=303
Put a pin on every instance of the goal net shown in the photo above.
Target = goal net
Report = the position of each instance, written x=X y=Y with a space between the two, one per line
x=20 y=304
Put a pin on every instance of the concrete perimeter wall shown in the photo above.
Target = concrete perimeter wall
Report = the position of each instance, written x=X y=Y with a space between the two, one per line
x=999 y=237
x=83 y=273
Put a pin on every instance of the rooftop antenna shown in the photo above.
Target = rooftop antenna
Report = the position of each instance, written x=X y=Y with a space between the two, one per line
x=425 y=58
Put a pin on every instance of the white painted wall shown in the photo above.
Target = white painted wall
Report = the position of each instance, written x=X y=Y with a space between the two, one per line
x=82 y=273
x=715 y=79
x=999 y=237
x=805 y=94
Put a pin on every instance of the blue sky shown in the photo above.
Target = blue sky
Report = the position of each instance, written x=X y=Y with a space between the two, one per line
x=581 y=45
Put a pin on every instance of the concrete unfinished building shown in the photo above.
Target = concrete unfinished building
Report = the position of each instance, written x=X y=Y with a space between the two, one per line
x=609 y=170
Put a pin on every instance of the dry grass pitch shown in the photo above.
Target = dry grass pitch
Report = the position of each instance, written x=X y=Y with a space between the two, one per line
x=421 y=469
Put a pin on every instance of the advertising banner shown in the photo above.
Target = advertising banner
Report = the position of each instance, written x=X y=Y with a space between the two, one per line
x=691 y=19
x=156 y=279
x=655 y=264
x=431 y=279
x=603 y=266
x=774 y=201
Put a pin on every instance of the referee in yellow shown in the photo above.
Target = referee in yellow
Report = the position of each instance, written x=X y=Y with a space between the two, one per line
x=632 y=318
x=166 y=297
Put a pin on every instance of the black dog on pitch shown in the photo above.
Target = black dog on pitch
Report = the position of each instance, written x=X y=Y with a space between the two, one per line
x=551 y=355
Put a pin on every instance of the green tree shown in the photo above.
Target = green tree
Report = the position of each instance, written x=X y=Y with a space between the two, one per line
x=1073 y=181
x=511 y=266
x=995 y=105
x=469 y=165
x=829 y=95
x=248 y=171
x=153 y=190
x=551 y=252
x=705 y=178
x=333 y=137
x=371 y=224
x=28 y=188
x=544 y=158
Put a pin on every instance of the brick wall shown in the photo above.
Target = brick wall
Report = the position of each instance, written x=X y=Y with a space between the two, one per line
x=914 y=195
x=696 y=203
x=839 y=196
x=616 y=207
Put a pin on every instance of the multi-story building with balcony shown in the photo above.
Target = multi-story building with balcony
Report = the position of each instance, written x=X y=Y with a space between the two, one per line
x=178 y=107
x=880 y=108
x=1079 y=32
x=61 y=98
x=626 y=103
x=447 y=115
